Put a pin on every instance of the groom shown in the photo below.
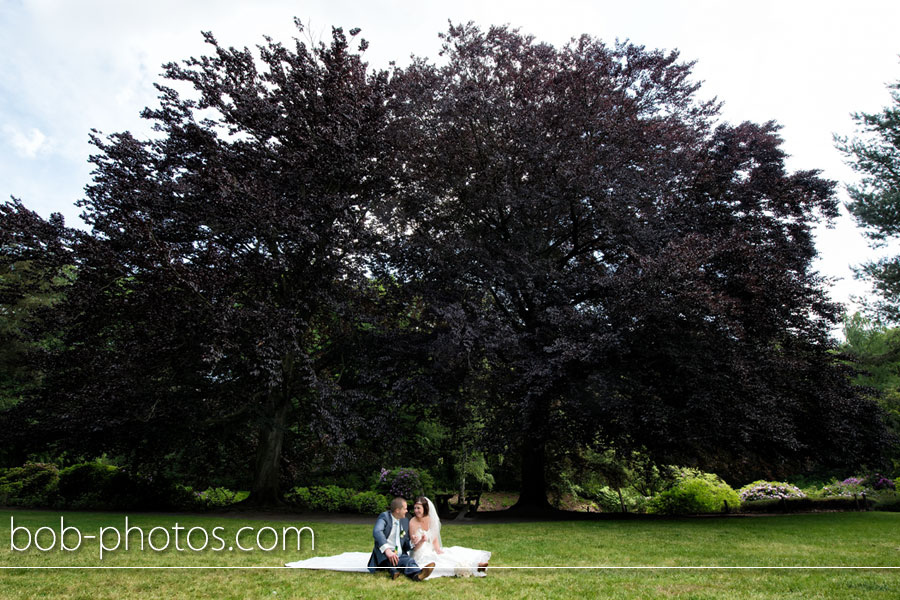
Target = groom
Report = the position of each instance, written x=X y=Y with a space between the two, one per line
x=392 y=545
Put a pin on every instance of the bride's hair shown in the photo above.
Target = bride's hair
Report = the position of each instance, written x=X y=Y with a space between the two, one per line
x=424 y=502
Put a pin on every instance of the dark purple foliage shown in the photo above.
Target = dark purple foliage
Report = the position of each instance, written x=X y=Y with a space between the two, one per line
x=223 y=254
x=608 y=266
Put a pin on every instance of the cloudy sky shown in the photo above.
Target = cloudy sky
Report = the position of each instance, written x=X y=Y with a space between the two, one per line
x=67 y=66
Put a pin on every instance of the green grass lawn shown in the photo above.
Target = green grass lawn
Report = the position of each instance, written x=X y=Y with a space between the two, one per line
x=832 y=539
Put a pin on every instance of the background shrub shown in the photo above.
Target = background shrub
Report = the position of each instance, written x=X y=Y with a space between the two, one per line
x=405 y=482
x=99 y=486
x=888 y=502
x=791 y=505
x=879 y=483
x=90 y=485
x=848 y=488
x=607 y=499
x=299 y=496
x=331 y=498
x=370 y=503
x=350 y=480
x=218 y=497
x=32 y=485
x=694 y=492
x=769 y=490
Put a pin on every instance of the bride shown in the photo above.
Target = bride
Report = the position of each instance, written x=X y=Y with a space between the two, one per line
x=425 y=534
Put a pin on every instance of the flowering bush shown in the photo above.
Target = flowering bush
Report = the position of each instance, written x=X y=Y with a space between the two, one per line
x=836 y=490
x=854 y=486
x=769 y=490
x=879 y=482
x=848 y=488
x=406 y=484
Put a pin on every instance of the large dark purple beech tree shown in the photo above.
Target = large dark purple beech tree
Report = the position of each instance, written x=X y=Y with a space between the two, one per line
x=625 y=271
x=222 y=251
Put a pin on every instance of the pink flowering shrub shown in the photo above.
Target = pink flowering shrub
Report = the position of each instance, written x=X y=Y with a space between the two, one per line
x=769 y=490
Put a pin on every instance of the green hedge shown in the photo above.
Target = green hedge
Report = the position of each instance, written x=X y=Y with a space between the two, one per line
x=888 y=503
x=369 y=503
x=331 y=498
x=90 y=486
x=789 y=505
x=93 y=485
x=32 y=485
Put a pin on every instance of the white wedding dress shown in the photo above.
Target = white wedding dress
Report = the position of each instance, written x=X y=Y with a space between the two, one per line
x=354 y=562
x=453 y=561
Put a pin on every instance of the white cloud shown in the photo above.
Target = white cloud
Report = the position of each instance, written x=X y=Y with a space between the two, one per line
x=26 y=144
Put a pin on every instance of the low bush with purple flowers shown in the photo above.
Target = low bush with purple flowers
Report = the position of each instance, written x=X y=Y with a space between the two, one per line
x=854 y=486
x=879 y=482
x=404 y=482
x=769 y=490
x=848 y=488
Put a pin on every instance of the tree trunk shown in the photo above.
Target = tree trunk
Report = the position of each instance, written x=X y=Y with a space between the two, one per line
x=533 y=491
x=462 y=475
x=267 y=470
x=463 y=505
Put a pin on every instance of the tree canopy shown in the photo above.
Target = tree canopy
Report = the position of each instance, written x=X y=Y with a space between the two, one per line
x=540 y=247
x=874 y=349
x=627 y=272
x=220 y=249
x=875 y=200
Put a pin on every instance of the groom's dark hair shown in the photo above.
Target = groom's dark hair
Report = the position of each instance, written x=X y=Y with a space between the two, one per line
x=397 y=503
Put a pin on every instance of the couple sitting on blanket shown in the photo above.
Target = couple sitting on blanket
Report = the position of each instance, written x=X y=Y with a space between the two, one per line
x=413 y=547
